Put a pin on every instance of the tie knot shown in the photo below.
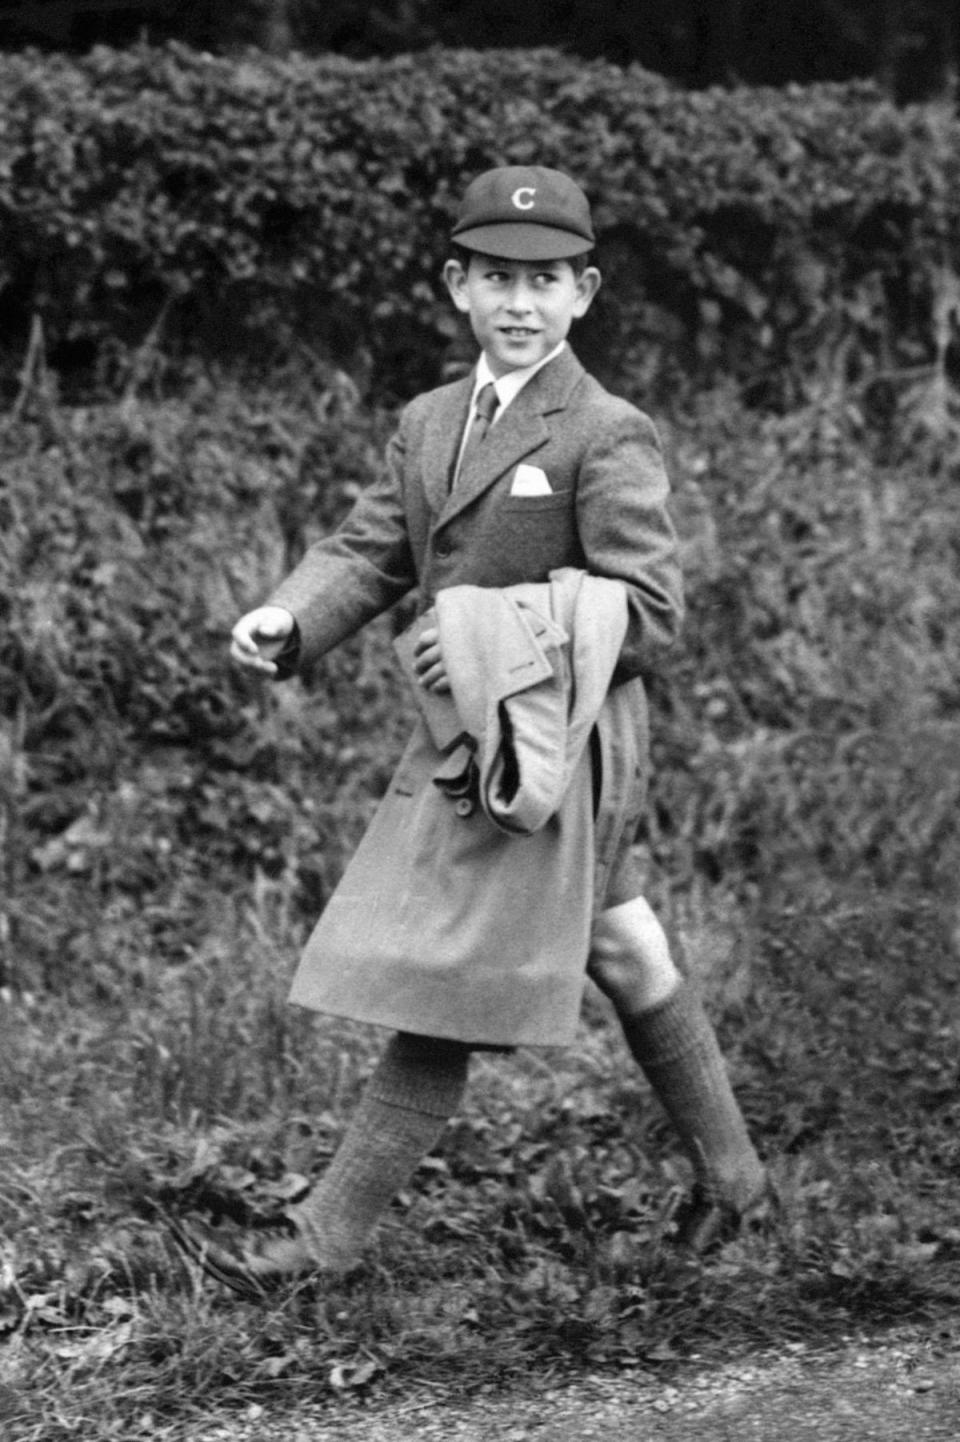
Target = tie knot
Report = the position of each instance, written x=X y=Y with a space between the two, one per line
x=487 y=402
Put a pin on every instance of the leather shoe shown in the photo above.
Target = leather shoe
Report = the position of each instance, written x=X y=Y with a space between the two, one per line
x=259 y=1263
x=702 y=1225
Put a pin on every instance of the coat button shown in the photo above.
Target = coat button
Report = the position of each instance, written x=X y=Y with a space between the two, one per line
x=443 y=550
x=465 y=807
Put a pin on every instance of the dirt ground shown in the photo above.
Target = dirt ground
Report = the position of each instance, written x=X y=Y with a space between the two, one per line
x=902 y=1387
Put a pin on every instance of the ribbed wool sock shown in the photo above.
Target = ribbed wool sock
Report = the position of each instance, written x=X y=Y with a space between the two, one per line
x=676 y=1047
x=417 y=1086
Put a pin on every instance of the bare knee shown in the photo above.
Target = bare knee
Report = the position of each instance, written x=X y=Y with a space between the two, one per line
x=630 y=957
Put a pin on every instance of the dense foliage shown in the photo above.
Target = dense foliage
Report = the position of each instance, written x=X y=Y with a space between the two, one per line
x=131 y=542
x=262 y=204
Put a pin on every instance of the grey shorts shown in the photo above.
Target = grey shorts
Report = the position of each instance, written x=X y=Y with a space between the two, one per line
x=625 y=880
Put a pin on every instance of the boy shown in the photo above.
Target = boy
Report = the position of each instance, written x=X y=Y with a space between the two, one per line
x=455 y=935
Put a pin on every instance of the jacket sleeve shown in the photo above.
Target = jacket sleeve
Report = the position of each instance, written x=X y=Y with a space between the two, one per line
x=361 y=569
x=627 y=534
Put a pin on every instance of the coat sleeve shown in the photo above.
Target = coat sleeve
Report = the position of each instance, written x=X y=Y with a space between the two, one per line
x=366 y=565
x=627 y=534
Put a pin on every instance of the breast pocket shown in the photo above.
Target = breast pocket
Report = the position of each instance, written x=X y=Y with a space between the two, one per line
x=558 y=501
x=537 y=534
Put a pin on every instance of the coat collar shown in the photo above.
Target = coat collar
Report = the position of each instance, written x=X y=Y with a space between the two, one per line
x=521 y=430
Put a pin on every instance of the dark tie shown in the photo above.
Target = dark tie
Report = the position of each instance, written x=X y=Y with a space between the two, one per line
x=484 y=410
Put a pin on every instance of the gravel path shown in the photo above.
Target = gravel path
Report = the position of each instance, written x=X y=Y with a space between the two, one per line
x=899 y=1387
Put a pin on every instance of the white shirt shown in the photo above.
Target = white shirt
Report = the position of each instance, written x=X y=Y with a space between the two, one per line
x=507 y=387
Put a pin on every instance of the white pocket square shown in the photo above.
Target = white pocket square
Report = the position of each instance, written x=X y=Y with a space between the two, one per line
x=530 y=481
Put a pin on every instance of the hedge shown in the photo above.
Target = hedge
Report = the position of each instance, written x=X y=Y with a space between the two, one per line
x=251 y=200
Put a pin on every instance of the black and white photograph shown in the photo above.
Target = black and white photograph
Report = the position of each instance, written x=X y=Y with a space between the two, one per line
x=479 y=721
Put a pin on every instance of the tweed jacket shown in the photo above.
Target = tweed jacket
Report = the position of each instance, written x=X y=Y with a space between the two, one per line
x=606 y=514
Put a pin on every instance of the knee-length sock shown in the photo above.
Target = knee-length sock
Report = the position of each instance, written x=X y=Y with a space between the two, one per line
x=417 y=1086
x=676 y=1047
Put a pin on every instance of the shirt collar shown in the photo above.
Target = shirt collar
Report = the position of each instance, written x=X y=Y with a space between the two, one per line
x=508 y=387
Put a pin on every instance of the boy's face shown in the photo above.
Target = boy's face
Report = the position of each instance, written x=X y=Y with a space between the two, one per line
x=520 y=310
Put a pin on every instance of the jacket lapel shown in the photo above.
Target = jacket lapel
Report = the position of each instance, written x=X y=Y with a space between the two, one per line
x=521 y=430
x=441 y=442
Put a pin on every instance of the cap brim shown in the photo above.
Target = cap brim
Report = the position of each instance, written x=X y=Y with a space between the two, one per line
x=518 y=241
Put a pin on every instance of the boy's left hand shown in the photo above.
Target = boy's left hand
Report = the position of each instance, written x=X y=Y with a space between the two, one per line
x=428 y=663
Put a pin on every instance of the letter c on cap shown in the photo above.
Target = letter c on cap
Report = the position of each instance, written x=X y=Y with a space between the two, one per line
x=518 y=197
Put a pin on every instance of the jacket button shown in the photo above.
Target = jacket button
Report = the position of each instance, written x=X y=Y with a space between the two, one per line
x=443 y=549
x=465 y=807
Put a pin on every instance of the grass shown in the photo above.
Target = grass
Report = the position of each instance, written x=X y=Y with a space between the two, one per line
x=528 y=1238
x=160 y=874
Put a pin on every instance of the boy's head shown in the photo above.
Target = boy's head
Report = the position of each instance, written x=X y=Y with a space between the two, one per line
x=519 y=268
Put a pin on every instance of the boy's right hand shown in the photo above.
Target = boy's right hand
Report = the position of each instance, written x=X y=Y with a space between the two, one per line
x=259 y=637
